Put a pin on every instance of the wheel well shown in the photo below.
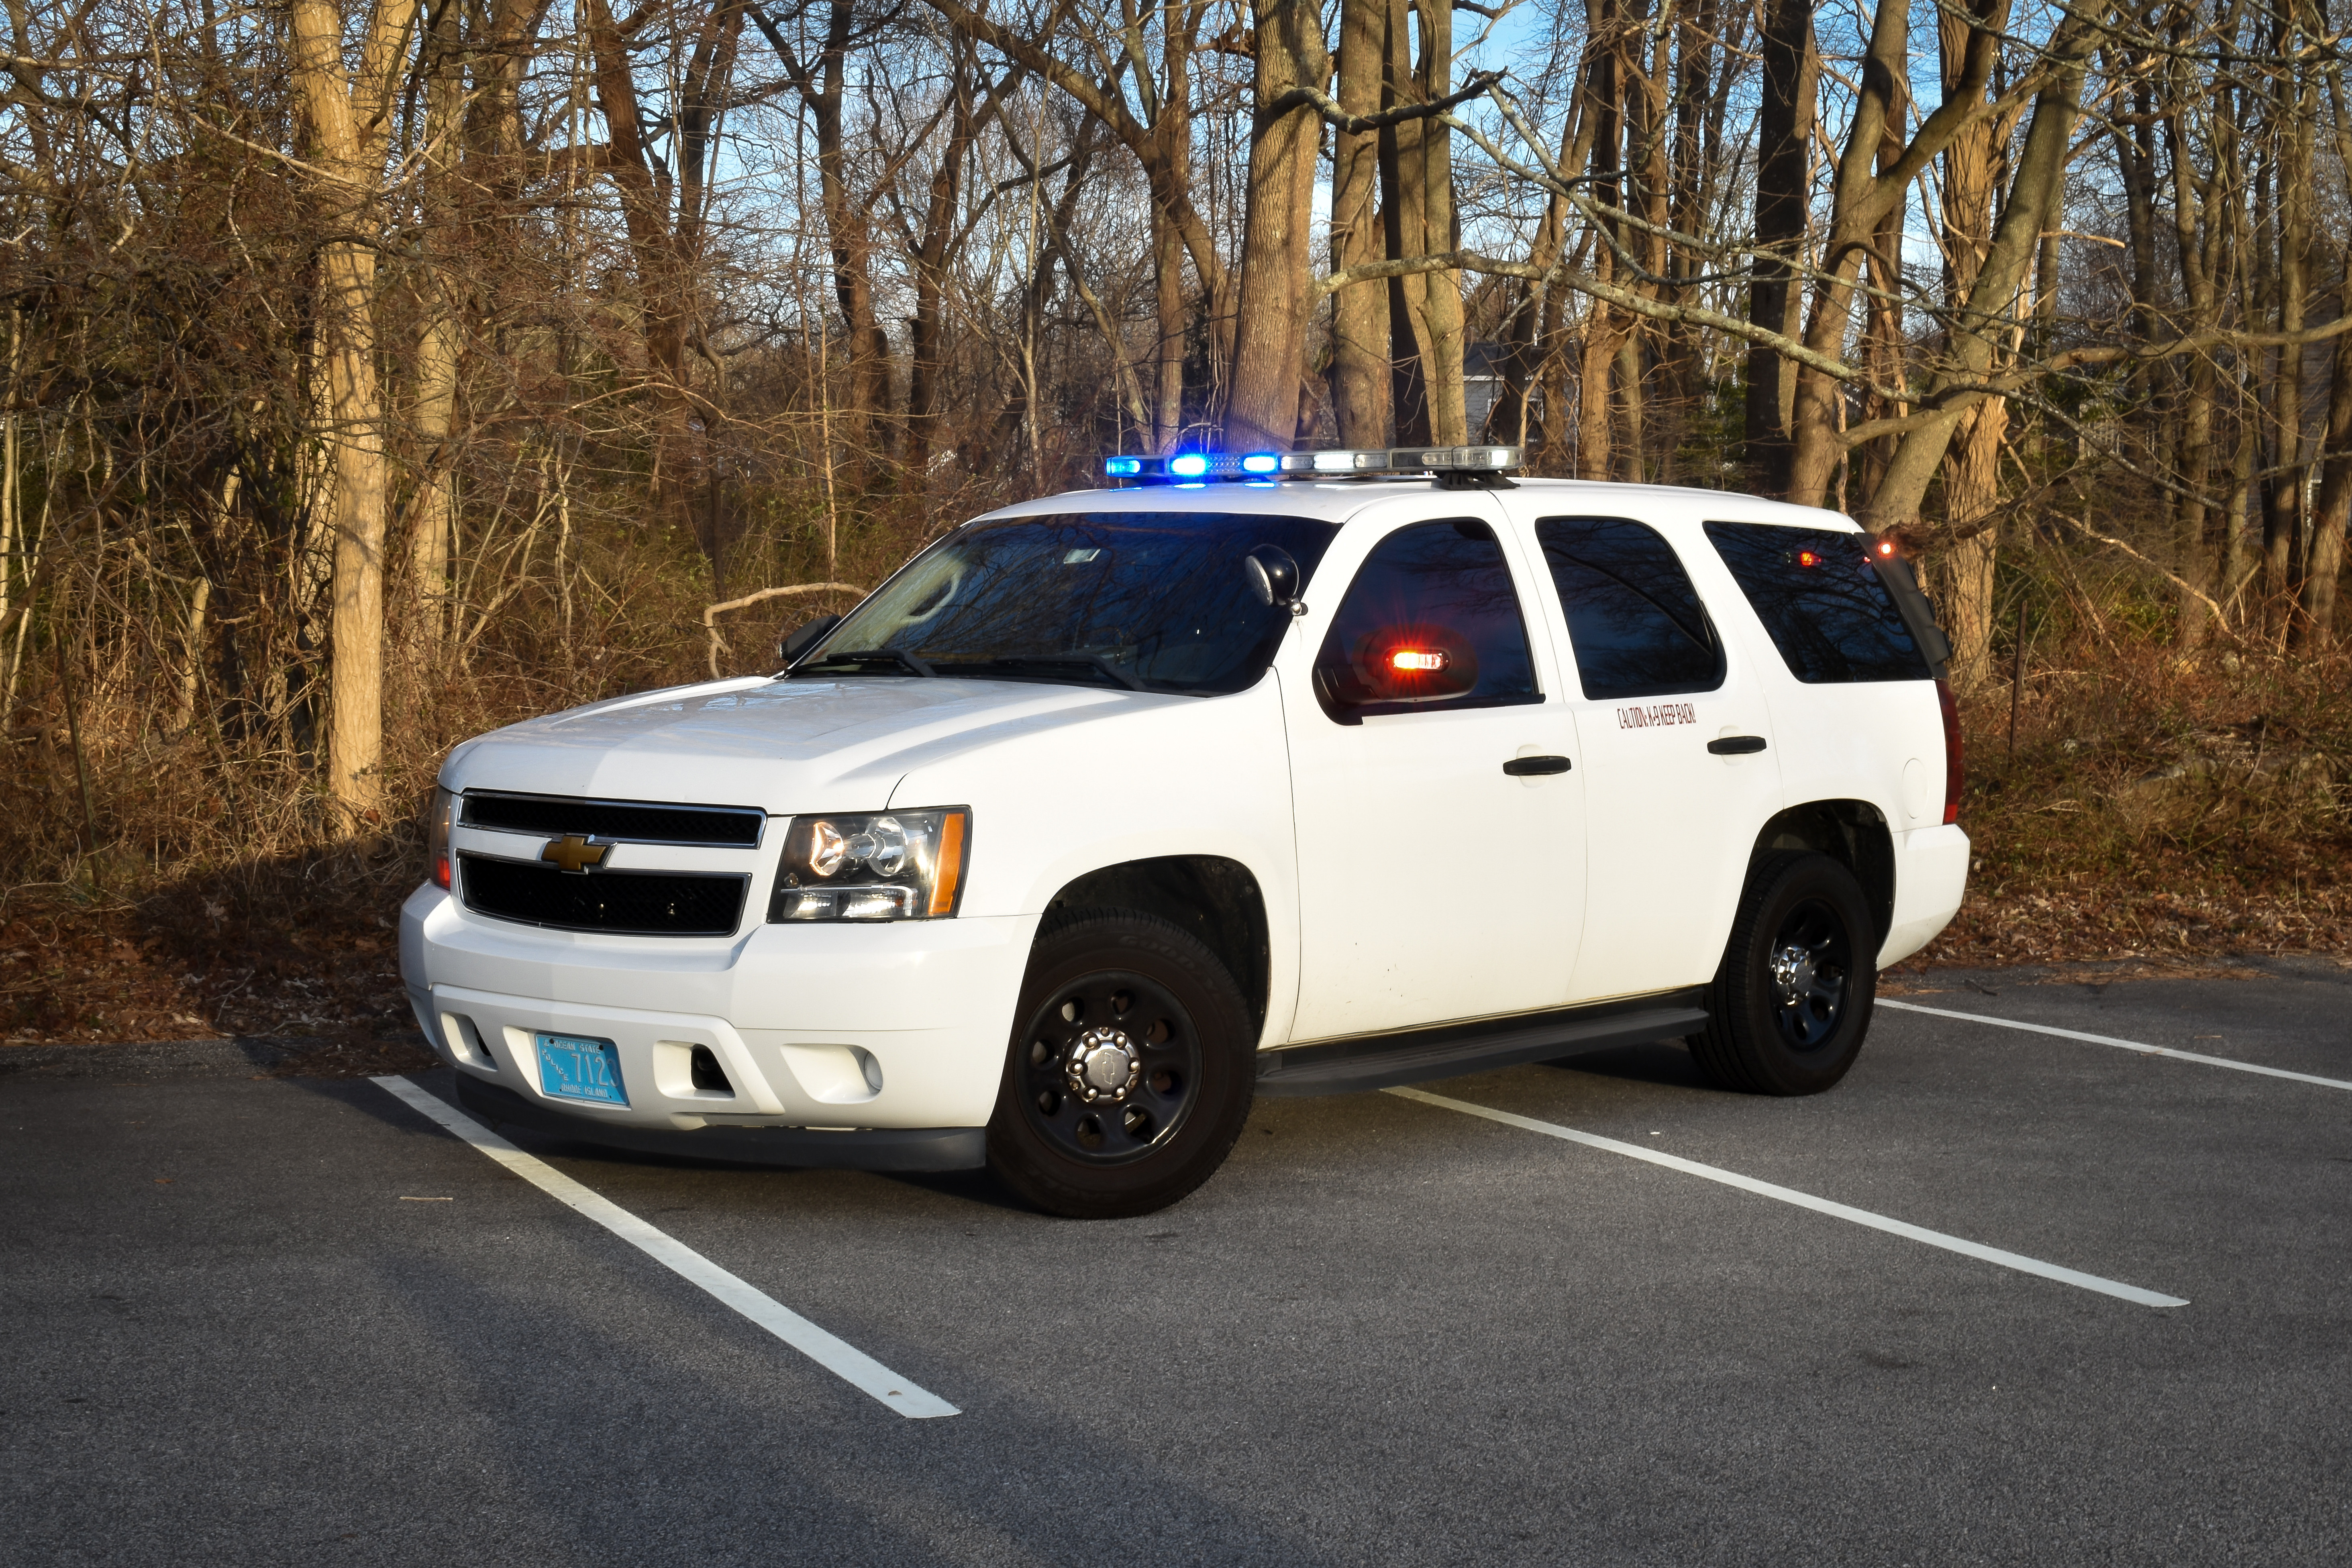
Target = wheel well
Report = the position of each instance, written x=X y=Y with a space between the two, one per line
x=1214 y=898
x=1851 y=832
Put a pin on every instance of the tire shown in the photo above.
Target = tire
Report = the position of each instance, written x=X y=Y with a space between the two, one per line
x=1130 y=1070
x=1789 y=1009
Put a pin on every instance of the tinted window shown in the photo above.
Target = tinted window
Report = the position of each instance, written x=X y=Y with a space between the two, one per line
x=1431 y=621
x=1636 y=623
x=1160 y=600
x=1818 y=593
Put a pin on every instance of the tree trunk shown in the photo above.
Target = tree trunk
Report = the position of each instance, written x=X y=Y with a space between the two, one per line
x=1861 y=190
x=1883 y=345
x=1604 y=328
x=1168 y=316
x=1648 y=89
x=1170 y=175
x=1784 y=132
x=1274 y=299
x=2283 y=513
x=1403 y=227
x=2197 y=235
x=1627 y=393
x=439 y=340
x=496 y=53
x=1508 y=421
x=355 y=511
x=347 y=126
x=1971 y=500
x=1440 y=302
x=1972 y=466
x=2316 y=629
x=1359 y=379
x=853 y=245
x=2239 y=502
x=1595 y=364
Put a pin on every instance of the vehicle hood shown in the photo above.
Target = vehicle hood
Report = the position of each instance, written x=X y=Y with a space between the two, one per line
x=765 y=743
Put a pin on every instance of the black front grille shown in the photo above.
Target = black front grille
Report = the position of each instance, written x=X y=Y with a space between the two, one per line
x=634 y=822
x=634 y=903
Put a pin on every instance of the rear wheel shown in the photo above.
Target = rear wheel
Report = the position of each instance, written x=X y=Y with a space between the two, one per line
x=1788 y=1010
x=1131 y=1071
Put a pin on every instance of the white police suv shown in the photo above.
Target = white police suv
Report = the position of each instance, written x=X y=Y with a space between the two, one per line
x=1272 y=774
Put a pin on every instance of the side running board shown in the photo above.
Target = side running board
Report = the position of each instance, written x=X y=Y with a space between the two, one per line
x=1414 y=1056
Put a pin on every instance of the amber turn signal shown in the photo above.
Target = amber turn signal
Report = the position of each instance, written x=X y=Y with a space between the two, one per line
x=946 y=880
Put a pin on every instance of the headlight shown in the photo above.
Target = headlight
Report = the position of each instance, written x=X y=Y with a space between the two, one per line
x=437 y=836
x=878 y=865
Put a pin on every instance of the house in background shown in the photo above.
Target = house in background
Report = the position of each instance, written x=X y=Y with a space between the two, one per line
x=1482 y=389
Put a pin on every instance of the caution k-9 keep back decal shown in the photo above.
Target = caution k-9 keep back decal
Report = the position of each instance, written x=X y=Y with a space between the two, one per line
x=1652 y=716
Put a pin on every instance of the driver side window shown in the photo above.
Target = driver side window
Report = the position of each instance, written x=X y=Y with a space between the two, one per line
x=1431 y=622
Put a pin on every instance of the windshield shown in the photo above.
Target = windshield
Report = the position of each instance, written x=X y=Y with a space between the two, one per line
x=1148 y=601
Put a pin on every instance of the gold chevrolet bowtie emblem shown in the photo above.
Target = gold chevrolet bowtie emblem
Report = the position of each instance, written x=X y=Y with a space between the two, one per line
x=573 y=854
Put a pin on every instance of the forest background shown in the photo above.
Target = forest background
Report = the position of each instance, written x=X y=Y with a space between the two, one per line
x=380 y=372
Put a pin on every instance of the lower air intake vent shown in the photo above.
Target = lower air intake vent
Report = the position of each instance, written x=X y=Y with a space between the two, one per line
x=637 y=903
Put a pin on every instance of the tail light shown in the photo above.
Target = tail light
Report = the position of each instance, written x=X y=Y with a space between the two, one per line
x=1956 y=772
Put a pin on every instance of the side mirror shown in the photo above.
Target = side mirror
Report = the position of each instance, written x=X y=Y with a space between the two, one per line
x=1274 y=577
x=810 y=634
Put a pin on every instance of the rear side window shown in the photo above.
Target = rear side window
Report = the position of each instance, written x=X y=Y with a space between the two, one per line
x=1431 y=621
x=1819 y=595
x=1633 y=619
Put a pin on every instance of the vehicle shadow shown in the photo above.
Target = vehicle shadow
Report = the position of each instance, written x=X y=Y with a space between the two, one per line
x=1660 y=1062
x=967 y=1186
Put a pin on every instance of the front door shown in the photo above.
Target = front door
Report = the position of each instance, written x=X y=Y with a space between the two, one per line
x=1438 y=800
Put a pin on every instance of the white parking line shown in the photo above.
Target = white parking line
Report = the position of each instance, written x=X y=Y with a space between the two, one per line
x=2111 y=1040
x=1804 y=1201
x=837 y=1356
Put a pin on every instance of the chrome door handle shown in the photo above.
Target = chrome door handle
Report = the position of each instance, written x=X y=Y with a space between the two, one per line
x=1536 y=767
x=1735 y=745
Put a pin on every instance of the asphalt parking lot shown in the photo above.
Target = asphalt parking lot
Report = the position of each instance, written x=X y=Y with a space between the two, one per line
x=260 y=1320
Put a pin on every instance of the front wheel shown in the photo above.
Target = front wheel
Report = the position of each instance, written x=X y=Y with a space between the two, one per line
x=1788 y=1010
x=1130 y=1072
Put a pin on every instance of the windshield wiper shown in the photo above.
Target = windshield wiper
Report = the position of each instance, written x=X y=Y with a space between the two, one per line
x=897 y=656
x=1093 y=661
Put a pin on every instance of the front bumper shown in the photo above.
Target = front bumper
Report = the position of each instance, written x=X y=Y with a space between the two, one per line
x=803 y=1020
x=861 y=1149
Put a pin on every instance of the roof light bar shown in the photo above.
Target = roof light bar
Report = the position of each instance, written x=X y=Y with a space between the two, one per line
x=1404 y=460
x=1367 y=462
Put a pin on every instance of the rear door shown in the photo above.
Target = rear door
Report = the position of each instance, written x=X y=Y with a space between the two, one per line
x=1441 y=838
x=1676 y=749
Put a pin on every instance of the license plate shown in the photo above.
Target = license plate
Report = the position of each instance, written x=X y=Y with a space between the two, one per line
x=570 y=1067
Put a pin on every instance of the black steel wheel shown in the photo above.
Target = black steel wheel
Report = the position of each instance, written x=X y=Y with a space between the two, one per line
x=1111 y=1068
x=1791 y=1002
x=1812 y=960
x=1131 y=1072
